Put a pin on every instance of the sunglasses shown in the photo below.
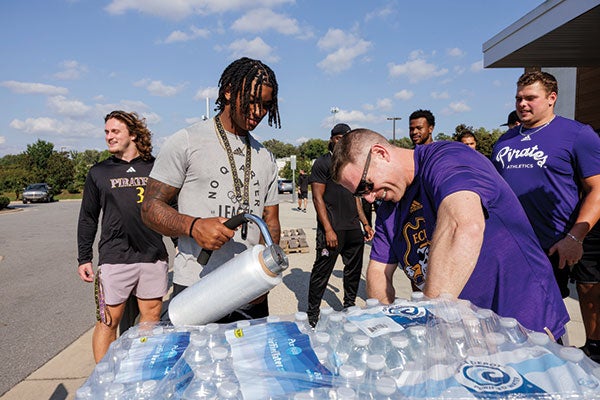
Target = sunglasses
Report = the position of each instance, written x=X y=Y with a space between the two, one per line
x=364 y=186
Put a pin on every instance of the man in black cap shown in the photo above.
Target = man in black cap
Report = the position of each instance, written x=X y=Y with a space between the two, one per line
x=339 y=218
x=513 y=120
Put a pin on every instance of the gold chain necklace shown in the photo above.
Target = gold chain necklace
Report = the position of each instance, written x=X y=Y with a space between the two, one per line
x=243 y=198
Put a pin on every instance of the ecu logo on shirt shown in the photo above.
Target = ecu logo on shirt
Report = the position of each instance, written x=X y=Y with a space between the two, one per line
x=416 y=256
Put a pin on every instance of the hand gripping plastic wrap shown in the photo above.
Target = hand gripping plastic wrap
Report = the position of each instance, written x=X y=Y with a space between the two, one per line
x=419 y=349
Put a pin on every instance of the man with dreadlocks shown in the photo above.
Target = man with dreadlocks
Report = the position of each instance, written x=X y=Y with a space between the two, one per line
x=216 y=170
x=132 y=259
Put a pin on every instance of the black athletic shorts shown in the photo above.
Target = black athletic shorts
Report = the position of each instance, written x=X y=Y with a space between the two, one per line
x=303 y=194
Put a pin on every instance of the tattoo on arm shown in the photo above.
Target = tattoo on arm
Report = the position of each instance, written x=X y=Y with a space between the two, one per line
x=157 y=212
x=271 y=218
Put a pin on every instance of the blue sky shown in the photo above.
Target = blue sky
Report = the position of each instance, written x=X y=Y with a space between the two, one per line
x=67 y=63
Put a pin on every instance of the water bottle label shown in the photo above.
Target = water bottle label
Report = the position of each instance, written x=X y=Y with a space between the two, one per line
x=152 y=357
x=280 y=355
x=485 y=379
x=406 y=315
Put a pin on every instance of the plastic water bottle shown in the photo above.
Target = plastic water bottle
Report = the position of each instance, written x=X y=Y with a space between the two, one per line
x=539 y=339
x=360 y=352
x=114 y=391
x=301 y=319
x=488 y=320
x=380 y=344
x=222 y=365
x=375 y=370
x=229 y=391
x=202 y=386
x=345 y=344
x=345 y=393
x=385 y=388
x=145 y=390
x=324 y=357
x=512 y=330
x=397 y=357
x=197 y=352
x=216 y=338
x=349 y=377
x=457 y=342
x=474 y=334
x=323 y=323
x=84 y=393
x=418 y=338
x=496 y=342
x=372 y=302
x=322 y=339
x=417 y=296
x=336 y=328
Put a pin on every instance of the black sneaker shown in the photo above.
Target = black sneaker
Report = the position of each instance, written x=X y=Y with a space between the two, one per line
x=312 y=320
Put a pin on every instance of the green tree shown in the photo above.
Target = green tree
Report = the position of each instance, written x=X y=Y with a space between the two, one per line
x=39 y=153
x=440 y=137
x=61 y=171
x=279 y=148
x=313 y=148
x=15 y=173
x=83 y=161
x=403 y=142
x=301 y=163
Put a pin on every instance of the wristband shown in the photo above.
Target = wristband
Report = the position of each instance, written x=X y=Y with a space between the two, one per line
x=571 y=236
x=192 y=226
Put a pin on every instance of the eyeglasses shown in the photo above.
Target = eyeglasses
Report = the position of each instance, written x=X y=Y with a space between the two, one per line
x=364 y=186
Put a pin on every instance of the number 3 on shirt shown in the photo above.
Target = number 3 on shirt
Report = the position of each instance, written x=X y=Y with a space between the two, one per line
x=140 y=193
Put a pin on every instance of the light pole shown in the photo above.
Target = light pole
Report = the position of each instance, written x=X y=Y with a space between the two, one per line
x=394 y=119
x=334 y=110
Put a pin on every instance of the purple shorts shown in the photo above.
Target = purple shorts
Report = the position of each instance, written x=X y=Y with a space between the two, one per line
x=144 y=280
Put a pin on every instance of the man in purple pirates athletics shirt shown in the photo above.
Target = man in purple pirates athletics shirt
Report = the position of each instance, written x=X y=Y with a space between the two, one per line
x=453 y=225
x=553 y=166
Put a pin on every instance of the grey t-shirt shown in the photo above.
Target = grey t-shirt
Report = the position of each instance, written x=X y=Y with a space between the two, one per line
x=194 y=160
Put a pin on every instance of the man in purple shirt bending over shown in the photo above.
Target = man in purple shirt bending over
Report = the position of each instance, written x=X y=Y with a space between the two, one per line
x=453 y=225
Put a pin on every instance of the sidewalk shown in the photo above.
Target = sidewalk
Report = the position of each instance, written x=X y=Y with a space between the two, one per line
x=60 y=378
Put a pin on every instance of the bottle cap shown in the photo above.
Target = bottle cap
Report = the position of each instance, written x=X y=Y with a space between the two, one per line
x=400 y=341
x=198 y=339
x=539 y=338
x=508 y=322
x=361 y=340
x=228 y=389
x=322 y=337
x=572 y=354
x=219 y=353
x=350 y=327
x=375 y=361
x=385 y=386
x=301 y=316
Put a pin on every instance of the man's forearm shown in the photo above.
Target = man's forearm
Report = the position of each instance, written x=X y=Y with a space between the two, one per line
x=159 y=215
x=379 y=282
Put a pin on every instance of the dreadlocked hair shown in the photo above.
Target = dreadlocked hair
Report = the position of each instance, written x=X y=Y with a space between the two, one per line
x=238 y=78
x=137 y=127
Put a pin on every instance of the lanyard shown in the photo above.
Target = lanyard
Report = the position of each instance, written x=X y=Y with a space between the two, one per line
x=241 y=197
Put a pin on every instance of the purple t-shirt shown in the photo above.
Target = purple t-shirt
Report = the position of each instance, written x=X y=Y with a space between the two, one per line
x=512 y=277
x=545 y=172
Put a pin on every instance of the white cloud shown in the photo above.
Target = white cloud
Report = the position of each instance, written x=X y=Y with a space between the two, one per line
x=416 y=70
x=210 y=92
x=193 y=120
x=455 y=52
x=404 y=94
x=344 y=47
x=477 y=66
x=379 y=13
x=263 y=19
x=72 y=108
x=381 y=104
x=440 y=95
x=71 y=70
x=151 y=117
x=33 y=88
x=64 y=128
x=2 y=140
x=157 y=88
x=178 y=9
x=180 y=36
x=354 y=118
x=255 y=48
x=459 y=107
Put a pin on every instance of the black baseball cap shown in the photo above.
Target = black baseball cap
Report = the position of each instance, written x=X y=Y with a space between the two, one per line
x=340 y=129
x=512 y=118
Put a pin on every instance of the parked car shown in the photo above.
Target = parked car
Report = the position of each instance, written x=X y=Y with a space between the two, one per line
x=285 y=186
x=37 y=192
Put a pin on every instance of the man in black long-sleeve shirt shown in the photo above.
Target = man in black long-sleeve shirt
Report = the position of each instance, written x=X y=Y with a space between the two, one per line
x=132 y=258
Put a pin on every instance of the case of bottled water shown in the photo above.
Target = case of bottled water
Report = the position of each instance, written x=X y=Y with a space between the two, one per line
x=418 y=349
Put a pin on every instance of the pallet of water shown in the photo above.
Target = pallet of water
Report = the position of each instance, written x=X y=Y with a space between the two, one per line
x=416 y=348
